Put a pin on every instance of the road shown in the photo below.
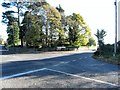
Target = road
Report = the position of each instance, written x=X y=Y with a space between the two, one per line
x=2 y=48
x=57 y=70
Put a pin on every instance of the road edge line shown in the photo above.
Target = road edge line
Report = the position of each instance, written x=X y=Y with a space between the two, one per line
x=81 y=77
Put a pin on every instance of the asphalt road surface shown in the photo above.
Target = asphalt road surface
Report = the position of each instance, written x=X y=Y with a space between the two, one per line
x=57 y=70
x=2 y=48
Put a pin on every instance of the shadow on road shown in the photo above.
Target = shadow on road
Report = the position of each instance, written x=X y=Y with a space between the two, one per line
x=83 y=66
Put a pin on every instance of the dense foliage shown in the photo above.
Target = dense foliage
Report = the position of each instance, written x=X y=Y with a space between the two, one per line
x=45 y=26
x=13 y=34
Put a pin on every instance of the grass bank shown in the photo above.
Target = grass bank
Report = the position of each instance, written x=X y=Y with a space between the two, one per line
x=109 y=59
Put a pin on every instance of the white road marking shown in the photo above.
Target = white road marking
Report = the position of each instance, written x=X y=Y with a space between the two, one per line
x=20 y=74
x=56 y=65
x=85 y=57
x=99 y=81
x=74 y=60
x=37 y=70
x=67 y=62
x=62 y=62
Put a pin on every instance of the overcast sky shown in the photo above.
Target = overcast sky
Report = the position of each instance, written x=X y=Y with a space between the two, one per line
x=98 y=14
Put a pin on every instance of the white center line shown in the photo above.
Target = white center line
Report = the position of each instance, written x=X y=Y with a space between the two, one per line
x=85 y=57
x=20 y=74
x=68 y=62
x=99 y=81
x=74 y=60
x=62 y=62
x=56 y=65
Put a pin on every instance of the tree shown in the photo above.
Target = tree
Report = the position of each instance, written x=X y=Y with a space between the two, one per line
x=51 y=24
x=91 y=42
x=32 y=29
x=19 y=6
x=8 y=17
x=12 y=27
x=56 y=32
x=60 y=9
x=100 y=36
x=46 y=19
x=13 y=34
x=78 y=31
x=62 y=33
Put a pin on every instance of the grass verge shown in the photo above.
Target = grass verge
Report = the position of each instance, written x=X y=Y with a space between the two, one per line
x=109 y=59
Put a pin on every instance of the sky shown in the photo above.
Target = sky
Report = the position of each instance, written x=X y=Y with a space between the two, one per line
x=98 y=14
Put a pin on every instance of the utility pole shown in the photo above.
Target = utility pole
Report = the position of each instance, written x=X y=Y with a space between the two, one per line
x=115 y=45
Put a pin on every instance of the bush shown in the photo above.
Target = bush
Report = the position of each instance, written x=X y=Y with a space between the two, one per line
x=118 y=57
x=106 y=54
x=97 y=53
x=105 y=50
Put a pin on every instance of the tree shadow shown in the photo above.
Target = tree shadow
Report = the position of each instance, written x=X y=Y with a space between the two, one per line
x=82 y=66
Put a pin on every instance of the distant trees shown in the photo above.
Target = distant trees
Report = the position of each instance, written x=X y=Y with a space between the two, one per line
x=45 y=26
x=91 y=42
x=1 y=40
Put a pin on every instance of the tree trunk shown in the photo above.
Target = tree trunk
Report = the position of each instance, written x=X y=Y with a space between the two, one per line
x=21 y=37
x=46 y=35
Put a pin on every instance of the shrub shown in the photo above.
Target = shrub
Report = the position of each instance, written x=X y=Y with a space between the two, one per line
x=97 y=53
x=105 y=50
